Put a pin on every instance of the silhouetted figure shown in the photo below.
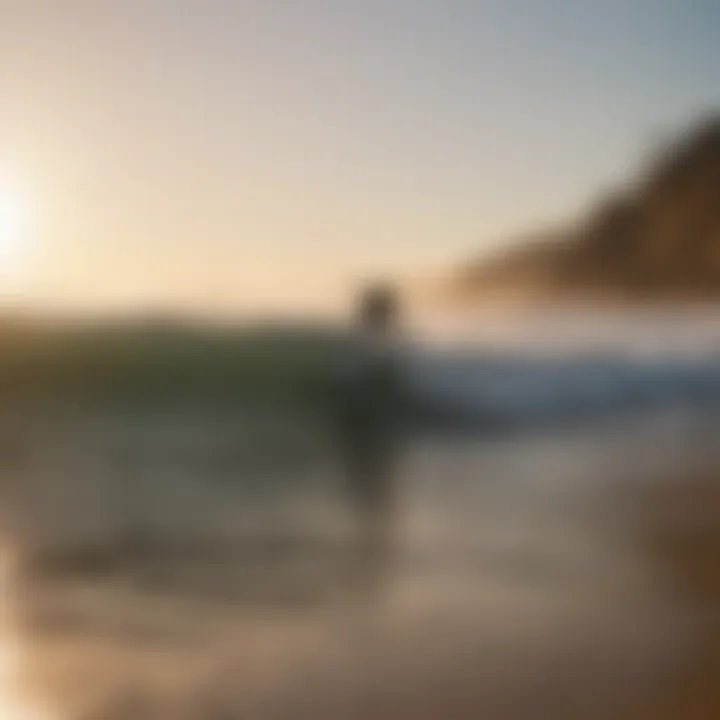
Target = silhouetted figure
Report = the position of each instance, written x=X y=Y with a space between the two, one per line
x=368 y=412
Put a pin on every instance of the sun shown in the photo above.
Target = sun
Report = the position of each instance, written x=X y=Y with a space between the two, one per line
x=13 y=226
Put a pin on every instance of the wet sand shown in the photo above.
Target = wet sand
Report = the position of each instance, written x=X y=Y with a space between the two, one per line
x=560 y=577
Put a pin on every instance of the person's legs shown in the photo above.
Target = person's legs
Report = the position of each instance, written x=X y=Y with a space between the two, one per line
x=372 y=495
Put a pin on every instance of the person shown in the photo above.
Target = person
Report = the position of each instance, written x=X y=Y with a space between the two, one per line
x=369 y=399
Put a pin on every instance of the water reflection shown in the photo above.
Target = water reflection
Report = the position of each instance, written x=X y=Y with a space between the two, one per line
x=16 y=698
x=547 y=577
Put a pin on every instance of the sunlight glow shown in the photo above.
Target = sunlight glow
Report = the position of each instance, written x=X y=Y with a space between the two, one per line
x=13 y=225
x=14 y=703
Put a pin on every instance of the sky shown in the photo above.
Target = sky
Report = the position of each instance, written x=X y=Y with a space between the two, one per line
x=233 y=155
